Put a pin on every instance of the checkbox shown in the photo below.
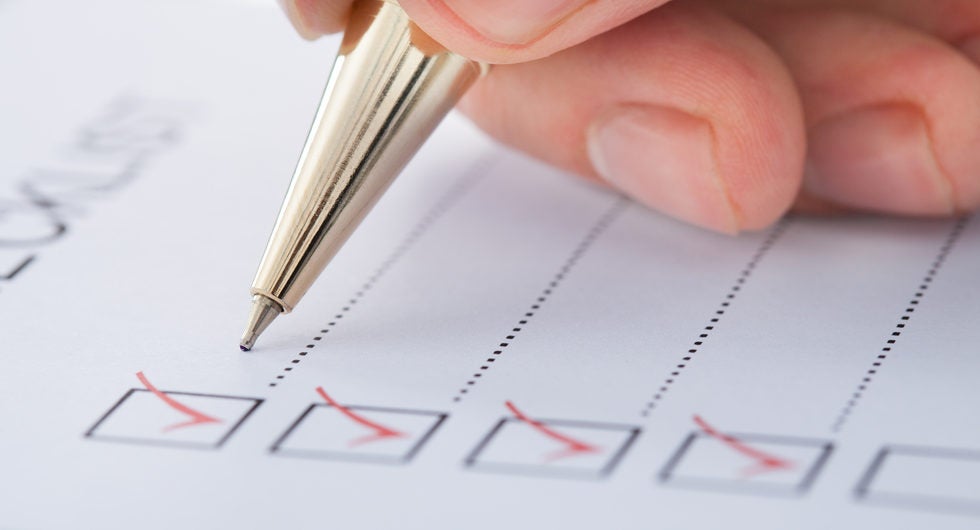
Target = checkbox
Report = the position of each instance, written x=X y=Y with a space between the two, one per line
x=754 y=464
x=358 y=433
x=552 y=448
x=923 y=478
x=199 y=421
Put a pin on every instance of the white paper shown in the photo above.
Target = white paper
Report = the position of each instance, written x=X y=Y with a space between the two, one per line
x=498 y=346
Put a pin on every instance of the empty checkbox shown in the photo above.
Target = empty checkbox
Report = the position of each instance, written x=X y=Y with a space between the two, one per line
x=925 y=478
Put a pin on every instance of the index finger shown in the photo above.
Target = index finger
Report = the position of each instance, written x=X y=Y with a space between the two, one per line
x=498 y=31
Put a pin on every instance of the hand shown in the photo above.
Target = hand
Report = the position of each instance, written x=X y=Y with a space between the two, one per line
x=726 y=113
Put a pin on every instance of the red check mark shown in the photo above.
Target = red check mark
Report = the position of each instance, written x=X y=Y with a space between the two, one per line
x=194 y=417
x=572 y=447
x=380 y=432
x=764 y=462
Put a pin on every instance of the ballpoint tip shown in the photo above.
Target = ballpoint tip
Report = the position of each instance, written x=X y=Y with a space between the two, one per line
x=264 y=311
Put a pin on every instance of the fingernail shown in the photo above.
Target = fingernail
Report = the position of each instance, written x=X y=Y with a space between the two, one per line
x=971 y=47
x=301 y=25
x=511 y=21
x=665 y=159
x=878 y=158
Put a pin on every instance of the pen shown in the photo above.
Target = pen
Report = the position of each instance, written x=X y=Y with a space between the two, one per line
x=390 y=85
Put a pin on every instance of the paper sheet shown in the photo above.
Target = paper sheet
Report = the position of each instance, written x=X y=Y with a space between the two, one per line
x=499 y=345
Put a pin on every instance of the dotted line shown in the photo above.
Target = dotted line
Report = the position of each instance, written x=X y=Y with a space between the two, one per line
x=438 y=209
x=903 y=321
x=614 y=210
x=726 y=303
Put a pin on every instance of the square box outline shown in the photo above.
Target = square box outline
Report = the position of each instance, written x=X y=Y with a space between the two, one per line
x=864 y=493
x=826 y=448
x=536 y=470
x=91 y=435
x=349 y=456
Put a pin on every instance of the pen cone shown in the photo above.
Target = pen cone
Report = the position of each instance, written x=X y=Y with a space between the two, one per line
x=263 y=312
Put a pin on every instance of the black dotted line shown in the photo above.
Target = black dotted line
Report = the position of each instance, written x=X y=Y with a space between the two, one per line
x=726 y=303
x=903 y=321
x=614 y=210
x=438 y=209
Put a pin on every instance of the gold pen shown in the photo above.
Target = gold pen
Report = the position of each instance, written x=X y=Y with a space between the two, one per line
x=390 y=85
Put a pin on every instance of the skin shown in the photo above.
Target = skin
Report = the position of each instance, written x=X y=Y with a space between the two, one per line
x=727 y=113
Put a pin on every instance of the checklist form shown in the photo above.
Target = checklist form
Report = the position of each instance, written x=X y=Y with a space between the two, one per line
x=499 y=345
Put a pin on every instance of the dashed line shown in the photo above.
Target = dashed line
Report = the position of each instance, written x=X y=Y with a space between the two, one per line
x=903 y=321
x=444 y=203
x=614 y=210
x=726 y=303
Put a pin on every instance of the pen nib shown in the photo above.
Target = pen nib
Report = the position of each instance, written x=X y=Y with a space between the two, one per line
x=263 y=312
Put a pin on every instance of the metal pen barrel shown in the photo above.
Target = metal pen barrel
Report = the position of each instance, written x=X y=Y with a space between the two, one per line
x=390 y=86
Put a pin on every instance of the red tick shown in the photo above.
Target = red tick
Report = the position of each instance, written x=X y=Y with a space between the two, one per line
x=572 y=447
x=764 y=462
x=195 y=417
x=381 y=432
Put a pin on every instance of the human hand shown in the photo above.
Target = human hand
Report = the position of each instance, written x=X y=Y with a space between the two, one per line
x=726 y=113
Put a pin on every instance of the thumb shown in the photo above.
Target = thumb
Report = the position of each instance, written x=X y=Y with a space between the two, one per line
x=513 y=31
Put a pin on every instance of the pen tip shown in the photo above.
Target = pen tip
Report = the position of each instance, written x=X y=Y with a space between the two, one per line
x=264 y=311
